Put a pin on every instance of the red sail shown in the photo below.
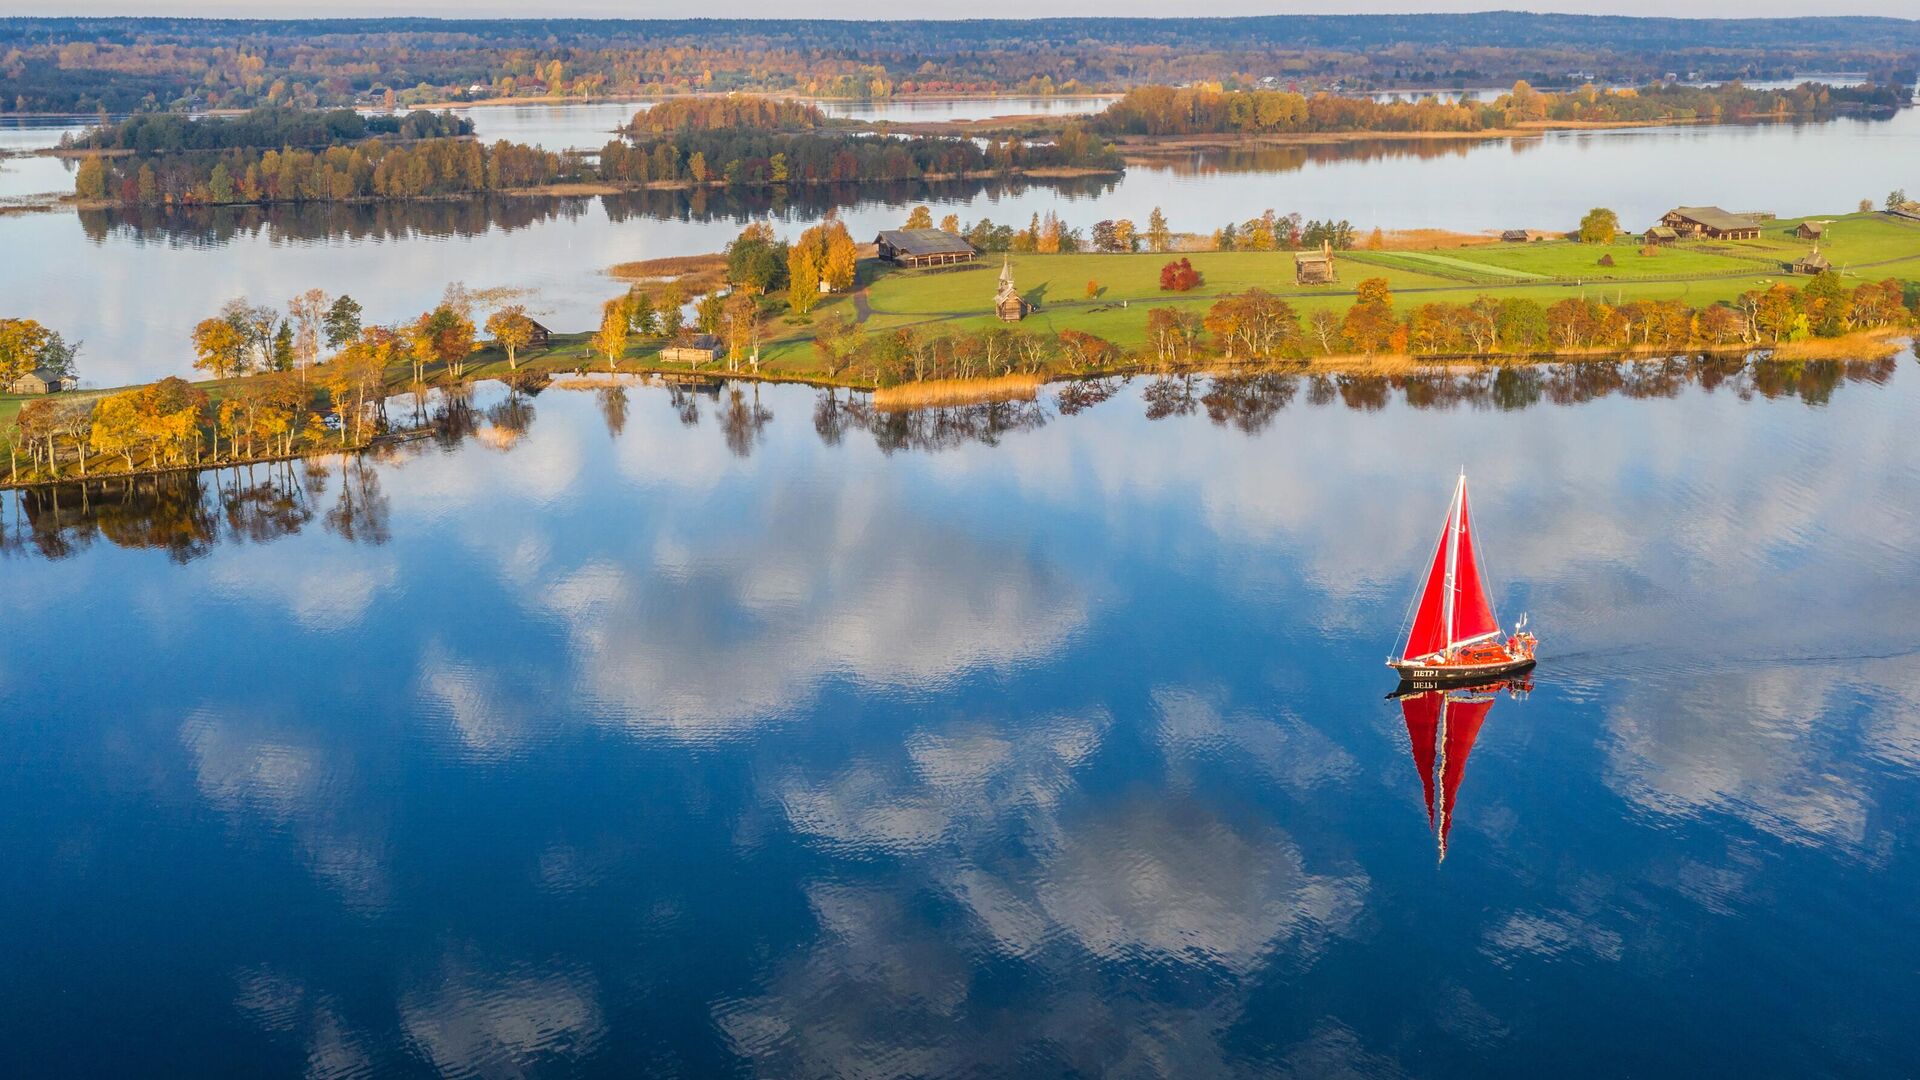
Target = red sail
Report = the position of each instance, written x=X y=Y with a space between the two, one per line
x=1429 y=633
x=1472 y=611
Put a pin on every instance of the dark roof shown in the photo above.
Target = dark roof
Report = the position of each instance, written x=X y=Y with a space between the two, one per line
x=1814 y=259
x=1511 y=234
x=924 y=242
x=1715 y=218
x=1814 y=227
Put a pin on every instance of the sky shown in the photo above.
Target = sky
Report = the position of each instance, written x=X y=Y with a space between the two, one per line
x=973 y=9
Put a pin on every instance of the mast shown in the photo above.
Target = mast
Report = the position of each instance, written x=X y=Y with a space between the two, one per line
x=1453 y=556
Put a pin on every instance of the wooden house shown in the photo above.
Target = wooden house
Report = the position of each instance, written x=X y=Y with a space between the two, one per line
x=1660 y=236
x=540 y=338
x=1810 y=230
x=1516 y=236
x=698 y=349
x=1008 y=304
x=1712 y=223
x=1811 y=263
x=923 y=247
x=41 y=380
x=1314 y=267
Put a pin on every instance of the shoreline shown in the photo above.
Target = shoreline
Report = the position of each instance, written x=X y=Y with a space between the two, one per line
x=1867 y=346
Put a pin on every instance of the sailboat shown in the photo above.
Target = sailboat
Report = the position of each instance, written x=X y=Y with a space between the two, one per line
x=1453 y=636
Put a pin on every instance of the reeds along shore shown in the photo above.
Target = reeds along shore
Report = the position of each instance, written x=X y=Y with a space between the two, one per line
x=936 y=392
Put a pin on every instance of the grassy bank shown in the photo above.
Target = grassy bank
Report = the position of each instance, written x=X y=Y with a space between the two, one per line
x=1863 y=247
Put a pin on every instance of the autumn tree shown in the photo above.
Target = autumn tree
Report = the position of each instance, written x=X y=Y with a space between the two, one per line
x=1600 y=226
x=1179 y=276
x=1159 y=237
x=805 y=261
x=611 y=340
x=921 y=217
x=22 y=342
x=90 y=181
x=355 y=376
x=1369 y=324
x=220 y=348
x=309 y=311
x=836 y=337
x=841 y=256
x=512 y=330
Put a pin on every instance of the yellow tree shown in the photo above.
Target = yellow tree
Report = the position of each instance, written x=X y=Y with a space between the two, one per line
x=611 y=341
x=512 y=330
x=951 y=223
x=920 y=218
x=20 y=343
x=354 y=376
x=841 y=258
x=116 y=426
x=803 y=275
x=219 y=347
x=1049 y=240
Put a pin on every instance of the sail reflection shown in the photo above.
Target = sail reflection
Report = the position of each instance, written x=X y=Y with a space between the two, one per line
x=1442 y=726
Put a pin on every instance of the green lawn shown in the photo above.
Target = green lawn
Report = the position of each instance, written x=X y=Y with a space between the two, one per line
x=1696 y=274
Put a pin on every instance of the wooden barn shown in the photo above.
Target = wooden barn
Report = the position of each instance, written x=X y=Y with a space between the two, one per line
x=1810 y=230
x=1314 y=267
x=923 y=247
x=699 y=349
x=1660 y=236
x=1516 y=236
x=1712 y=223
x=41 y=380
x=541 y=336
x=1811 y=263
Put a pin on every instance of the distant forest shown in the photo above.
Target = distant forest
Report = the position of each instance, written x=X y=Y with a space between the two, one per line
x=160 y=64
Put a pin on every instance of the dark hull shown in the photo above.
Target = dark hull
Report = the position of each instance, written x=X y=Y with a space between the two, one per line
x=1415 y=678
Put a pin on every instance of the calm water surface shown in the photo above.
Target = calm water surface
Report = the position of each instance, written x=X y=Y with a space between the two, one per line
x=133 y=284
x=621 y=733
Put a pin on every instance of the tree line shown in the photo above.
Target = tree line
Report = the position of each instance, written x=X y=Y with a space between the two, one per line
x=266 y=127
x=366 y=170
x=315 y=377
x=1212 y=110
x=156 y=64
x=753 y=156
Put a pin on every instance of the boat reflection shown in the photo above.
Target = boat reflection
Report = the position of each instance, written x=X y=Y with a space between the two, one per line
x=1442 y=726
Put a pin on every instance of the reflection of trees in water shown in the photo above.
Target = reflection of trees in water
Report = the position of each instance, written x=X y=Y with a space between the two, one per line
x=1082 y=394
x=942 y=427
x=1170 y=395
x=1250 y=403
x=613 y=408
x=453 y=417
x=686 y=402
x=1282 y=159
x=362 y=514
x=184 y=514
x=479 y=214
x=741 y=420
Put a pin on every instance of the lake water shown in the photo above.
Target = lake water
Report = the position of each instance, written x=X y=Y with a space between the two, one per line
x=132 y=284
x=708 y=736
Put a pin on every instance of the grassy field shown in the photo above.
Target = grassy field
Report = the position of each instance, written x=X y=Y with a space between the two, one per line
x=1865 y=246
